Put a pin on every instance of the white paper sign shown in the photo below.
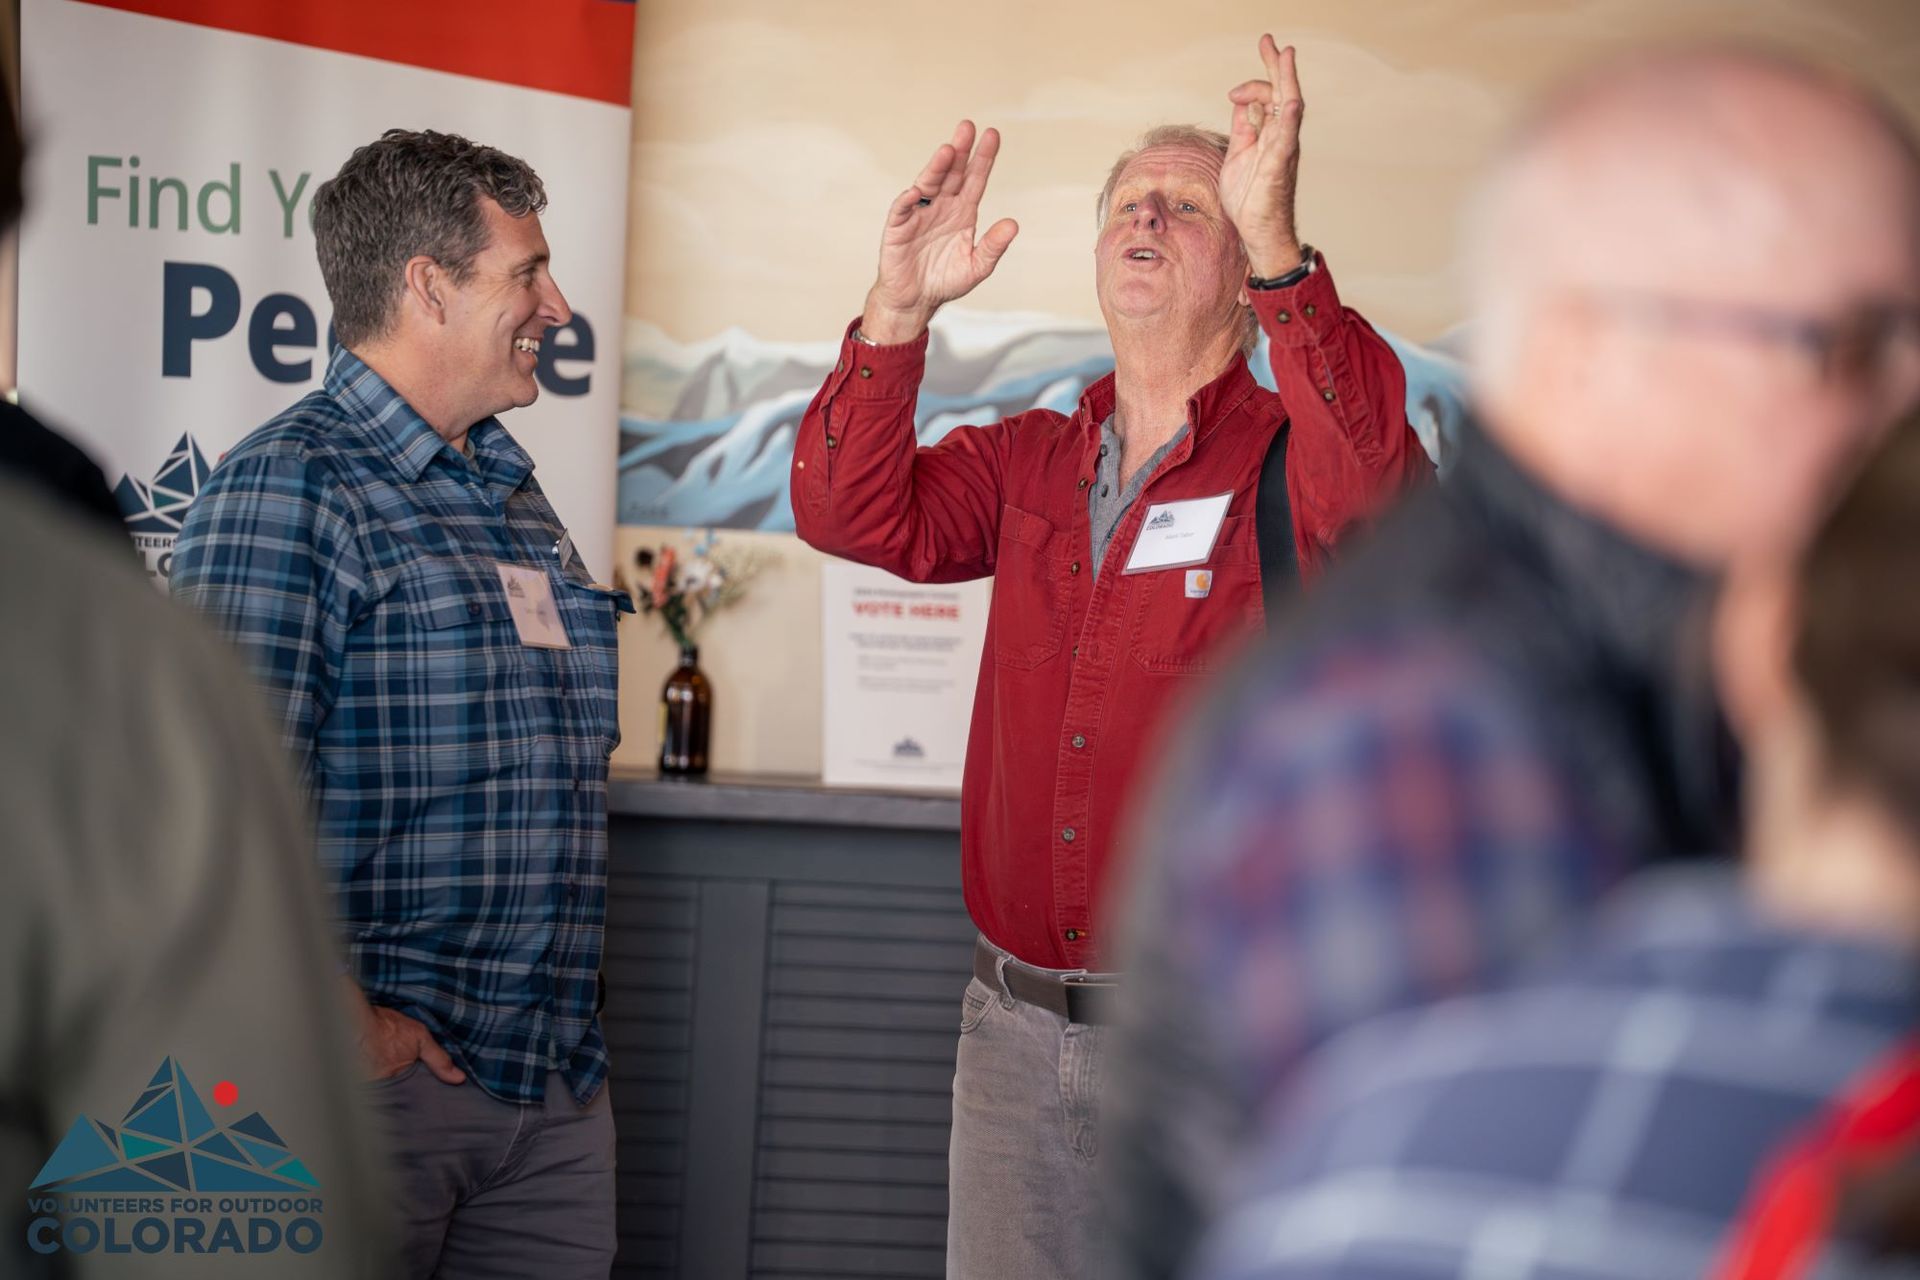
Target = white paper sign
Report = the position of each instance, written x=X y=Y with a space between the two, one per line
x=1177 y=534
x=902 y=660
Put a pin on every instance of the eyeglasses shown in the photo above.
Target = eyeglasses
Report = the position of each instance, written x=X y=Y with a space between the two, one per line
x=1861 y=347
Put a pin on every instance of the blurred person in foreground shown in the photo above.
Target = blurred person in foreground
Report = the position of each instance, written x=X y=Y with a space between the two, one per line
x=1696 y=276
x=443 y=669
x=161 y=905
x=1604 y=1120
x=1131 y=545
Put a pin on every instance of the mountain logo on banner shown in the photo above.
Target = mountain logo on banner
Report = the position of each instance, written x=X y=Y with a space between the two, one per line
x=167 y=1142
x=160 y=505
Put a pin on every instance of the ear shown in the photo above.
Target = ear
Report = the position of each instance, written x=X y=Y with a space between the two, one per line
x=424 y=284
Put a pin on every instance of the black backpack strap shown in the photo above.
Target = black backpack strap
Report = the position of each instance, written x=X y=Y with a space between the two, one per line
x=1273 y=527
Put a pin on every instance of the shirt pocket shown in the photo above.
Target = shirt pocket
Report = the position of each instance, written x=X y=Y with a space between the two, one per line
x=457 y=691
x=1029 y=591
x=593 y=615
x=1191 y=635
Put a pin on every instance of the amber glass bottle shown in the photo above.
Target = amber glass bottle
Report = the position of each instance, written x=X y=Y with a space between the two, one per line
x=686 y=716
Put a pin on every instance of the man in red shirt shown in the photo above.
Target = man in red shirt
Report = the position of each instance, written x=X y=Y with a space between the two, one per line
x=1131 y=545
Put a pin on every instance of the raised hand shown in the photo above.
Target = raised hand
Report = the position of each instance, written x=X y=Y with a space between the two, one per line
x=928 y=254
x=1262 y=169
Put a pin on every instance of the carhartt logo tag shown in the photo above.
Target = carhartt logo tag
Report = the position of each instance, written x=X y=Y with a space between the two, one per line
x=1199 y=583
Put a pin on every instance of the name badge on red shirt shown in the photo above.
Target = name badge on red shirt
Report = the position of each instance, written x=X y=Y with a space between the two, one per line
x=1177 y=534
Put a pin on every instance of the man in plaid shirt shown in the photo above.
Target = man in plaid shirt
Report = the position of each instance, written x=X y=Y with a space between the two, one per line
x=1604 y=1120
x=444 y=671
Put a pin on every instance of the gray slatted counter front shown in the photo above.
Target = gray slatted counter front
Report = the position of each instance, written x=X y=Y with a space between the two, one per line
x=784 y=965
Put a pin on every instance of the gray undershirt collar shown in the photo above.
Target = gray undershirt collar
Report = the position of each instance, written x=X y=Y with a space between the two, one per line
x=1107 y=501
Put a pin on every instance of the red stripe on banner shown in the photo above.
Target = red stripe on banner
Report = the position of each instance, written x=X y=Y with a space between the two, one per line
x=579 y=47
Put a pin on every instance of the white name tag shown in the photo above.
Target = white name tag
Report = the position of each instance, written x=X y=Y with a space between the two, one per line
x=1177 y=534
x=530 y=601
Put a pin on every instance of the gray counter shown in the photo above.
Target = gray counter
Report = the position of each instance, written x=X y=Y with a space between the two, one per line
x=784 y=966
x=739 y=797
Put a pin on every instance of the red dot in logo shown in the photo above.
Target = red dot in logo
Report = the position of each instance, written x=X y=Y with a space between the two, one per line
x=225 y=1093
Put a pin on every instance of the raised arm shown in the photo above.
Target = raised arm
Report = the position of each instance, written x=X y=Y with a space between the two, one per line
x=861 y=486
x=1351 y=450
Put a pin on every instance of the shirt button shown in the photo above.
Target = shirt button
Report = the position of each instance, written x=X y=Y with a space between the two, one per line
x=1073 y=935
x=1283 y=317
x=1327 y=395
x=865 y=371
x=1079 y=740
x=831 y=442
x=1074 y=567
x=1103 y=491
x=1103 y=451
x=1067 y=835
x=473 y=610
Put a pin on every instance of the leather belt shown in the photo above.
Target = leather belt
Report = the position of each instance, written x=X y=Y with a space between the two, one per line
x=1087 y=999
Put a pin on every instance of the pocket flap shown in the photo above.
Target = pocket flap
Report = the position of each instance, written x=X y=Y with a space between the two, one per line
x=439 y=595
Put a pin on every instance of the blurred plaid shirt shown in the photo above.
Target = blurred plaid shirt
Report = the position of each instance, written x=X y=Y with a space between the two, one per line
x=1600 y=1123
x=459 y=776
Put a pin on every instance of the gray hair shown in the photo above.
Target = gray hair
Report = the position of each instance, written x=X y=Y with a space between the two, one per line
x=1164 y=135
x=1177 y=135
x=407 y=195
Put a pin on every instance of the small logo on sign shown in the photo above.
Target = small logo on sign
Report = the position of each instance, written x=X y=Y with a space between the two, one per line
x=1199 y=583
x=1162 y=521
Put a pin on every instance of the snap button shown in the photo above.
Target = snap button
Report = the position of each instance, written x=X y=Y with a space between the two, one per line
x=1073 y=935
x=1067 y=835
x=865 y=371
x=1309 y=309
x=1283 y=317
x=1327 y=395
x=1074 y=567
x=1079 y=740
x=831 y=442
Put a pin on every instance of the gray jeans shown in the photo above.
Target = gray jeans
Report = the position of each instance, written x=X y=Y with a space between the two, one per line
x=1020 y=1185
x=490 y=1188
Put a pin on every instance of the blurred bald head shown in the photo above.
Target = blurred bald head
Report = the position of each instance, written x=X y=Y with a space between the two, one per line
x=1644 y=253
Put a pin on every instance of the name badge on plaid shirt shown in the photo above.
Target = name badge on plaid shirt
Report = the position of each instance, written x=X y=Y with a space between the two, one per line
x=530 y=601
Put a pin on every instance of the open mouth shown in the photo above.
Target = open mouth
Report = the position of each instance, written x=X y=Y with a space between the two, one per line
x=529 y=345
x=1142 y=254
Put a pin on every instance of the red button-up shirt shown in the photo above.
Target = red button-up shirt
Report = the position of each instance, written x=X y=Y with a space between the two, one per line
x=1080 y=669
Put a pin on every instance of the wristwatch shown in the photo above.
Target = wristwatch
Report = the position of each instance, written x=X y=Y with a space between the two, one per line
x=1309 y=263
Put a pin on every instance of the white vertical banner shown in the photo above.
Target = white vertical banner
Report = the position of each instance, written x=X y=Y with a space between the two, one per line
x=170 y=300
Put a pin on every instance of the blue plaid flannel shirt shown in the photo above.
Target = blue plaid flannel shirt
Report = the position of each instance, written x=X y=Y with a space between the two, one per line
x=1600 y=1122
x=458 y=776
